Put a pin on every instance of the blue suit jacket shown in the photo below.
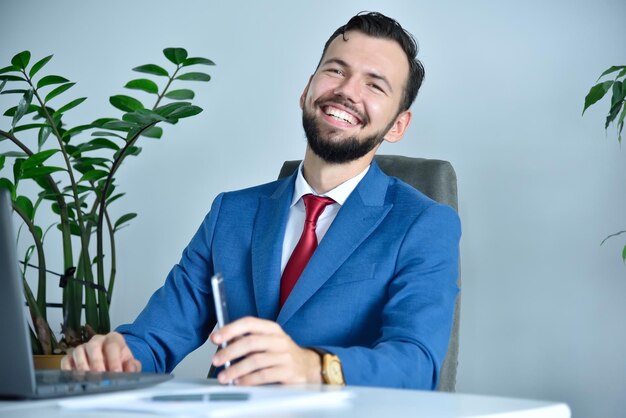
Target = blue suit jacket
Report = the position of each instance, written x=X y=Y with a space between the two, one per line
x=379 y=291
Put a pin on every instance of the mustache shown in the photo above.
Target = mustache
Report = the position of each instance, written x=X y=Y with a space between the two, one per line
x=348 y=105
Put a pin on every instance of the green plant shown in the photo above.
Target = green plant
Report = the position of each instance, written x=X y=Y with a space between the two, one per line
x=75 y=173
x=618 y=107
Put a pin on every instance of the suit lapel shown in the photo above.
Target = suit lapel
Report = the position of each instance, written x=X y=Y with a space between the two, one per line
x=266 y=248
x=358 y=217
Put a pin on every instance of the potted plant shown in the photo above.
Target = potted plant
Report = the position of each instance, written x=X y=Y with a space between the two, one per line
x=74 y=168
x=617 y=110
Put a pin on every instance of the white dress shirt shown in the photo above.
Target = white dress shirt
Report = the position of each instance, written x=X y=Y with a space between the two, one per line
x=297 y=212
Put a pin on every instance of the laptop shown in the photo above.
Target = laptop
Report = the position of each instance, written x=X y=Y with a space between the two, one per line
x=18 y=377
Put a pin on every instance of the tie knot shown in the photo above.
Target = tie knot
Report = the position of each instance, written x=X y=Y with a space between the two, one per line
x=315 y=206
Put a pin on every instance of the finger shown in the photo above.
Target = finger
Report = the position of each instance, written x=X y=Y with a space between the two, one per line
x=249 y=344
x=278 y=374
x=67 y=363
x=80 y=358
x=95 y=356
x=116 y=352
x=251 y=364
x=131 y=366
x=243 y=326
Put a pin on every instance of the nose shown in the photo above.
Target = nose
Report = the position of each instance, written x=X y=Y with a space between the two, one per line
x=349 y=89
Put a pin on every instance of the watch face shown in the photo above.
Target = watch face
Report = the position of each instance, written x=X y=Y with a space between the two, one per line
x=335 y=375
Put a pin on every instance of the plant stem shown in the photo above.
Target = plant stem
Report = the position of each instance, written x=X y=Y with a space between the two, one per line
x=65 y=226
x=90 y=314
x=37 y=307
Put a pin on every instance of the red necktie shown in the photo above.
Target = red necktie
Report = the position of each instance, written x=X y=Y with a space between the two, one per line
x=306 y=246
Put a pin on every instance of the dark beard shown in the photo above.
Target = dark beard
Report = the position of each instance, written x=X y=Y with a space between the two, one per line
x=338 y=152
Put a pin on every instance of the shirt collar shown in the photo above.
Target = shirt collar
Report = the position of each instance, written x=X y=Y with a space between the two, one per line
x=339 y=194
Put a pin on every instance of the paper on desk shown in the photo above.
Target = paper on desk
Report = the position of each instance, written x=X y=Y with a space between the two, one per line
x=260 y=399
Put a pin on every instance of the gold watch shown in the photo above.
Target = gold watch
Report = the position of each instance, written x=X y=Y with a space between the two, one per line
x=332 y=372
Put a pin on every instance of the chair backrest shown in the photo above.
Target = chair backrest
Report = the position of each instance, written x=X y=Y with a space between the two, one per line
x=437 y=180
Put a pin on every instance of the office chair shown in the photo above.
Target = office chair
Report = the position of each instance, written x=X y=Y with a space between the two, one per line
x=437 y=180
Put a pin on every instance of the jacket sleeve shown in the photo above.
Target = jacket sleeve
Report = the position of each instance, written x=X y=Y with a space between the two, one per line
x=179 y=316
x=417 y=317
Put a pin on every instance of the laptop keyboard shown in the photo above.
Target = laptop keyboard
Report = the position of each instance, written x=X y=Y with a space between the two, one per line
x=60 y=382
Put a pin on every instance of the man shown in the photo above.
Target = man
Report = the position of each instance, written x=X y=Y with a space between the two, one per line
x=373 y=305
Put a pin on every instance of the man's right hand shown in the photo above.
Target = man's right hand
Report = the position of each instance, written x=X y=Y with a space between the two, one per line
x=102 y=353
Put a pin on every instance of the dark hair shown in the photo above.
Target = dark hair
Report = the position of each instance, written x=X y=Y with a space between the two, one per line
x=378 y=25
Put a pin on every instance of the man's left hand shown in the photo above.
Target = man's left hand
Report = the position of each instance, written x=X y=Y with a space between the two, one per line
x=265 y=354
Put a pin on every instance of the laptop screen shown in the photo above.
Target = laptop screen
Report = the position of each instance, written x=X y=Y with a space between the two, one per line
x=16 y=362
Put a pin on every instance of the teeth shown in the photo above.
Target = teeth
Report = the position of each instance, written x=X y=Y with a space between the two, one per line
x=340 y=115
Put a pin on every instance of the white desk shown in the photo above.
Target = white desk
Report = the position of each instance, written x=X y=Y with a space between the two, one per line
x=365 y=403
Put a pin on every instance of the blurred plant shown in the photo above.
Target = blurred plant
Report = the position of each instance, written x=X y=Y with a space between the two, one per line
x=618 y=107
x=81 y=186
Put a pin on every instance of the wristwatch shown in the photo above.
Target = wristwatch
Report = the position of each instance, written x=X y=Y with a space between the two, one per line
x=332 y=372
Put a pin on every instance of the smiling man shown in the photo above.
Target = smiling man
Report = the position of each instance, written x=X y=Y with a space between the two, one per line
x=338 y=274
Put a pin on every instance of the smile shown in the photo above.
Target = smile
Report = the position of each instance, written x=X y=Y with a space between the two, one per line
x=340 y=115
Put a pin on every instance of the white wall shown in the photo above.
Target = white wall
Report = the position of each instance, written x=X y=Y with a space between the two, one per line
x=544 y=306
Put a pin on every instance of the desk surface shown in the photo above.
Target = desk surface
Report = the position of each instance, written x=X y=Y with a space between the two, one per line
x=366 y=402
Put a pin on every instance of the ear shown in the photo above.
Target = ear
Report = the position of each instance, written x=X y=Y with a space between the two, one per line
x=304 y=93
x=399 y=127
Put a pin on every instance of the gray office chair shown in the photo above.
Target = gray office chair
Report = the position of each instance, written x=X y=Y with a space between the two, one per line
x=437 y=180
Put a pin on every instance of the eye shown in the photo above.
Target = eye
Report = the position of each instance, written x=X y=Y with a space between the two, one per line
x=336 y=71
x=376 y=87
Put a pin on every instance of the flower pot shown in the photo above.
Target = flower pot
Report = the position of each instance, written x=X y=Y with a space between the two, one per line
x=47 y=361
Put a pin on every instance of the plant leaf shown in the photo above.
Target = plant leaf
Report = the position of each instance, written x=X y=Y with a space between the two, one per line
x=93 y=175
x=182 y=94
x=612 y=114
x=71 y=132
x=185 y=112
x=618 y=93
x=70 y=105
x=22 y=107
x=119 y=125
x=611 y=70
x=105 y=133
x=21 y=60
x=28 y=126
x=125 y=103
x=143 y=117
x=4 y=83
x=99 y=143
x=176 y=55
x=39 y=171
x=143 y=84
x=197 y=60
x=11 y=78
x=129 y=151
x=12 y=91
x=16 y=154
x=113 y=198
x=154 y=132
x=2 y=160
x=620 y=124
x=9 y=69
x=38 y=66
x=151 y=69
x=194 y=77
x=11 y=111
x=51 y=79
x=165 y=110
x=25 y=206
x=43 y=135
x=39 y=158
x=58 y=90
x=596 y=93
x=124 y=218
